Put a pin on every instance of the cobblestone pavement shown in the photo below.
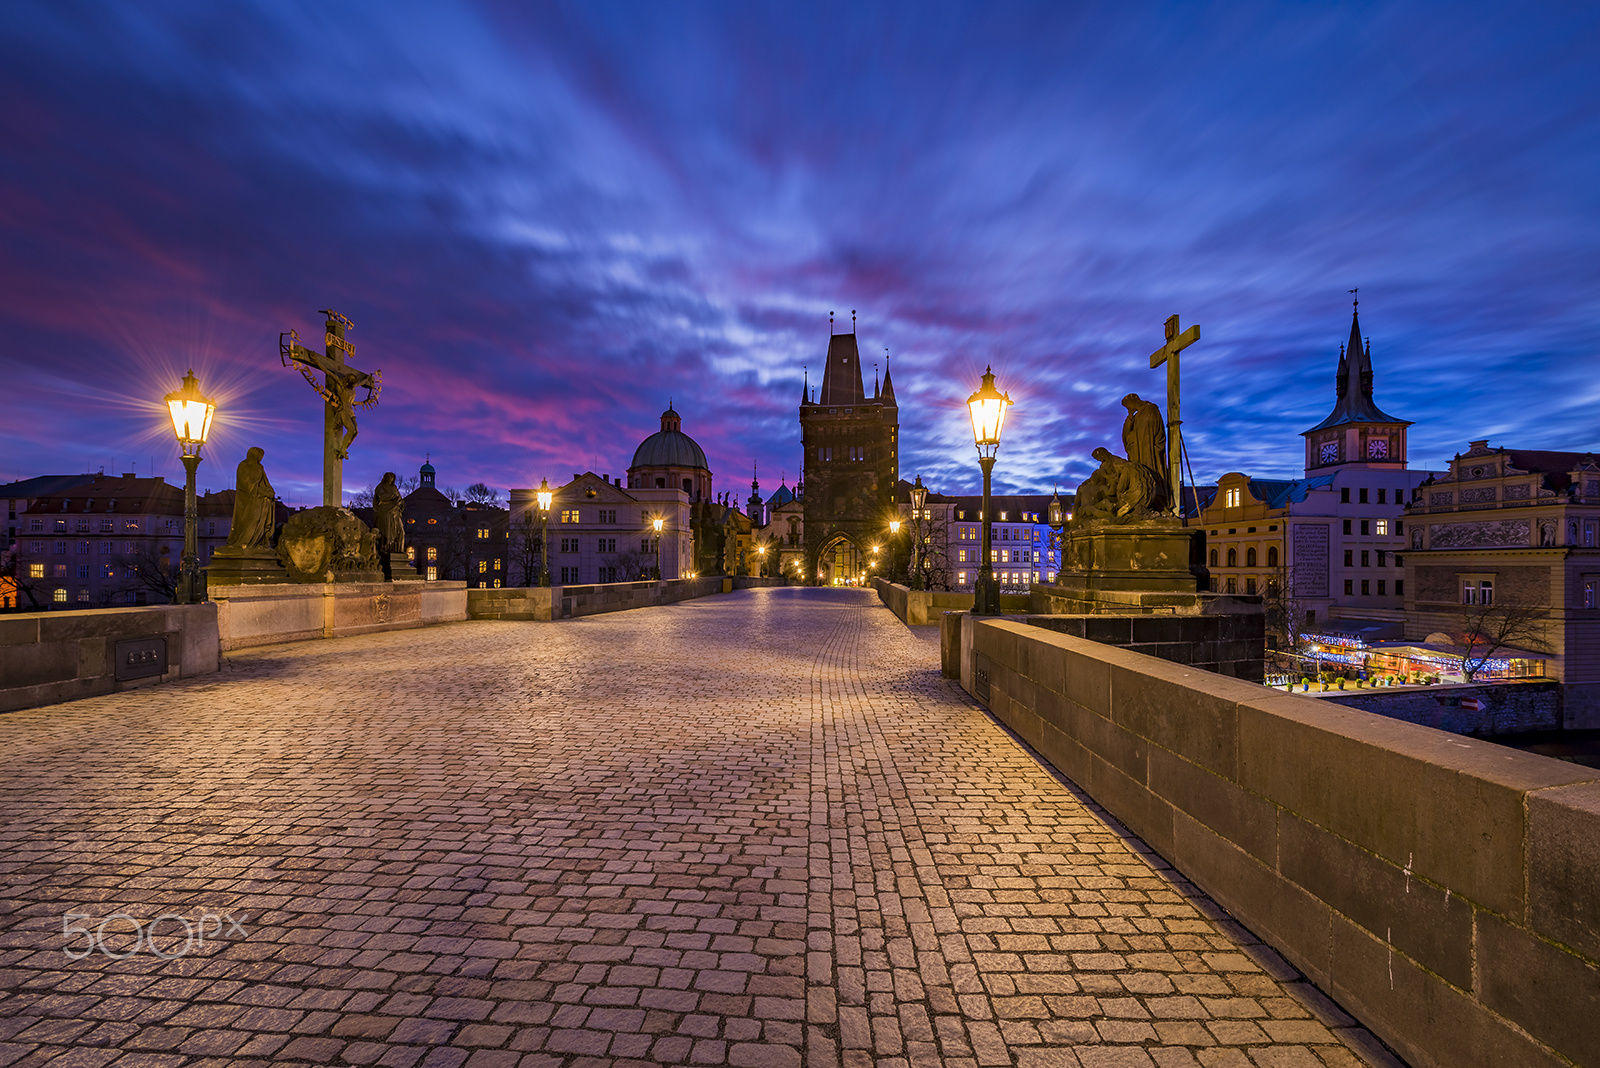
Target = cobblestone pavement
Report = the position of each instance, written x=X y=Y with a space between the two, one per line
x=757 y=829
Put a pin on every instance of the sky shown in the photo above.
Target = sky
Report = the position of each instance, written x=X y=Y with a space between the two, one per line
x=548 y=220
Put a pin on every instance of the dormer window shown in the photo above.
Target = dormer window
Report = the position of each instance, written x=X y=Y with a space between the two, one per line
x=1231 y=497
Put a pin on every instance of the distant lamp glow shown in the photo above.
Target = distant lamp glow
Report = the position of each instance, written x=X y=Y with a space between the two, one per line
x=658 y=523
x=545 y=495
x=191 y=413
x=894 y=526
x=1057 y=515
x=987 y=406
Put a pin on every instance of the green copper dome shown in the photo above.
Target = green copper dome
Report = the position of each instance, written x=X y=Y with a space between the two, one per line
x=669 y=446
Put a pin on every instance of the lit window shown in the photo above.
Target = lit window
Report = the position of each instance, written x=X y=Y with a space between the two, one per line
x=483 y=566
x=1381 y=527
x=961 y=577
x=497 y=584
x=433 y=573
x=433 y=552
x=411 y=553
x=497 y=563
x=83 y=596
x=1588 y=595
x=59 y=596
x=483 y=533
x=36 y=571
x=569 y=515
x=1230 y=499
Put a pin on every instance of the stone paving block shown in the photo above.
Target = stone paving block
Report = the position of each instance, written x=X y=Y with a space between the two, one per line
x=755 y=830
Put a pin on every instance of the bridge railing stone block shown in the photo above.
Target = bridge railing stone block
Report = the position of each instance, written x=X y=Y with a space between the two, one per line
x=1441 y=888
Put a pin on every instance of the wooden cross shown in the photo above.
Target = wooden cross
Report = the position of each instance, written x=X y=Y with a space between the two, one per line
x=1168 y=354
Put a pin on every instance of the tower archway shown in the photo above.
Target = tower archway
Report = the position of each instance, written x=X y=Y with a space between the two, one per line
x=839 y=562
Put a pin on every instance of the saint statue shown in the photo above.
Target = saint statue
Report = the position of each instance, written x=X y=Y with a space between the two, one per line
x=1144 y=439
x=254 y=504
x=386 y=509
x=1120 y=490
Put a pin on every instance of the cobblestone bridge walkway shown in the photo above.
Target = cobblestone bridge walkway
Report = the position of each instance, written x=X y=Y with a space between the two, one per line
x=756 y=829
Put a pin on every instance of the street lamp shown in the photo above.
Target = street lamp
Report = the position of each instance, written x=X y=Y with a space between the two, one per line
x=919 y=499
x=191 y=413
x=546 y=497
x=658 y=523
x=761 y=567
x=987 y=407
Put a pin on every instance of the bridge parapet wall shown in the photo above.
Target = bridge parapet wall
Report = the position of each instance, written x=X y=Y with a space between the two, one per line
x=925 y=607
x=46 y=657
x=1442 y=889
x=571 y=602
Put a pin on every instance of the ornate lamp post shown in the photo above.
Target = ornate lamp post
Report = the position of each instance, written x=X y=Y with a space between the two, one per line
x=1058 y=518
x=191 y=413
x=987 y=406
x=658 y=523
x=546 y=497
x=919 y=499
x=761 y=556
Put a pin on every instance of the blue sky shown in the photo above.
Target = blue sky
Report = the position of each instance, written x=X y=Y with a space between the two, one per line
x=547 y=220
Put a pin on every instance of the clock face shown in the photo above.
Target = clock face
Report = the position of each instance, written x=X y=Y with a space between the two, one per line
x=1330 y=451
x=1378 y=449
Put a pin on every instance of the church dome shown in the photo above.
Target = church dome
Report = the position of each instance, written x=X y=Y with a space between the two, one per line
x=669 y=447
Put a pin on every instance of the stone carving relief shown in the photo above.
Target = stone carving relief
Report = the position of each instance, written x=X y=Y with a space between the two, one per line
x=1517 y=491
x=1494 y=533
x=1477 y=495
x=1441 y=497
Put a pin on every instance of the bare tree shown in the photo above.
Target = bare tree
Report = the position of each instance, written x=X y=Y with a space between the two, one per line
x=929 y=566
x=146 y=570
x=1286 y=614
x=480 y=493
x=1482 y=630
x=526 y=546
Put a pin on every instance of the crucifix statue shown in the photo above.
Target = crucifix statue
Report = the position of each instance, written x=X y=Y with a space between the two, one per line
x=337 y=388
x=1168 y=354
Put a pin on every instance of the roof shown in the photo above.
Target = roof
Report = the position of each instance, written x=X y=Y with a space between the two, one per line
x=127 y=494
x=669 y=446
x=1546 y=461
x=841 y=378
x=40 y=485
x=781 y=496
x=1354 y=403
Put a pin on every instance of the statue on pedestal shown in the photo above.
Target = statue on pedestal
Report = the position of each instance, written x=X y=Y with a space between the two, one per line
x=386 y=509
x=254 y=504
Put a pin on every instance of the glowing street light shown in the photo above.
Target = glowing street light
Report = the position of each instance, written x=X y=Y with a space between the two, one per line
x=894 y=526
x=658 y=523
x=987 y=406
x=191 y=413
x=919 y=500
x=545 y=497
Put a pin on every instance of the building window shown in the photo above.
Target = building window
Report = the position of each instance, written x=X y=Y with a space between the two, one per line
x=107 y=526
x=433 y=553
x=1272 y=556
x=483 y=567
x=59 y=595
x=1347 y=526
x=433 y=573
x=83 y=596
x=1366 y=558
x=1588 y=594
x=483 y=533
x=1381 y=587
x=497 y=584
x=36 y=526
x=1213 y=558
x=1399 y=526
x=1364 y=526
x=1399 y=587
x=1349 y=588
x=608 y=515
x=569 y=545
x=1250 y=584
x=1230 y=497
x=83 y=548
x=36 y=571
x=569 y=515
x=1382 y=526
x=1477 y=591
x=961 y=578
x=1250 y=558
x=1233 y=559
x=1366 y=587
x=497 y=563
x=1383 y=496
x=1344 y=495
x=411 y=553
x=1363 y=495
x=1233 y=584
x=1349 y=558
x=83 y=570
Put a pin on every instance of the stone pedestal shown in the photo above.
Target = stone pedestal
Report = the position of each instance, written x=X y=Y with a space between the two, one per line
x=397 y=566
x=1154 y=566
x=244 y=567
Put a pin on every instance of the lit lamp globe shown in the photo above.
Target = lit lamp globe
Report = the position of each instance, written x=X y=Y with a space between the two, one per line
x=1057 y=514
x=545 y=495
x=894 y=526
x=191 y=413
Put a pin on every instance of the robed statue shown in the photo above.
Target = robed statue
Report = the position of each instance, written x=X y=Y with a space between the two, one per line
x=1144 y=439
x=1119 y=490
x=254 y=504
x=386 y=510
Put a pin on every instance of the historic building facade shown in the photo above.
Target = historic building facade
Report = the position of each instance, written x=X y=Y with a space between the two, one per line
x=110 y=540
x=1334 y=539
x=463 y=541
x=850 y=443
x=1518 y=531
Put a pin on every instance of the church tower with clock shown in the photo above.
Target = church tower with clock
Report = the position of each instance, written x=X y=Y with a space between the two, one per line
x=1357 y=431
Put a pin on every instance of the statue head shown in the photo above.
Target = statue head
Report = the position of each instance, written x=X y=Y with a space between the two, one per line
x=1103 y=454
x=255 y=453
x=1132 y=401
x=388 y=478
